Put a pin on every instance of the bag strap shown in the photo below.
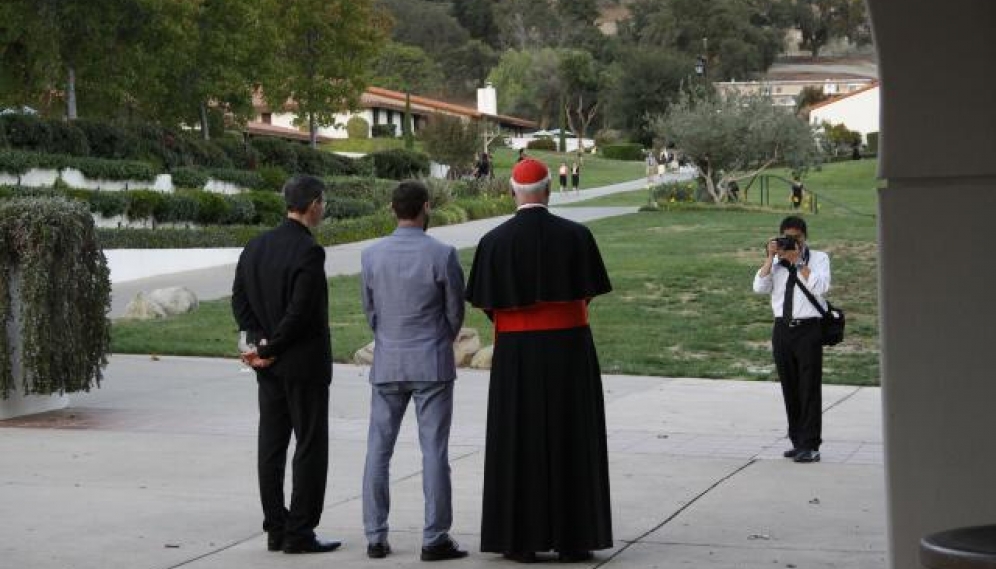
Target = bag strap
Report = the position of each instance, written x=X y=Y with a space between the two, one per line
x=809 y=295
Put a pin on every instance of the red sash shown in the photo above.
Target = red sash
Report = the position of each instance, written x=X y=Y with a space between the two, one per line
x=542 y=316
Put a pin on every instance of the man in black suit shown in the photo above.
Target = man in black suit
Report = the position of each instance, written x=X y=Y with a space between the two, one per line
x=280 y=298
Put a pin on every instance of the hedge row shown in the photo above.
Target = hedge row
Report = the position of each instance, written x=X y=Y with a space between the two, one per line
x=168 y=149
x=19 y=162
x=327 y=234
x=623 y=151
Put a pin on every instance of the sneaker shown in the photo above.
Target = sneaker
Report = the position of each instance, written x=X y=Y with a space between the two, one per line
x=807 y=456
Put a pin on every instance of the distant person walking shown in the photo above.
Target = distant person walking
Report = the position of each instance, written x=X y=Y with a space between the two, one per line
x=563 y=177
x=651 y=168
x=280 y=300
x=576 y=178
x=412 y=291
x=797 y=191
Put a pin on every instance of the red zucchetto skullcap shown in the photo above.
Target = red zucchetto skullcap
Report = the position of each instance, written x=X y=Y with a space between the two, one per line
x=529 y=175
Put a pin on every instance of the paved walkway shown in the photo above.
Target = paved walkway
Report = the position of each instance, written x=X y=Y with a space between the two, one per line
x=216 y=282
x=155 y=470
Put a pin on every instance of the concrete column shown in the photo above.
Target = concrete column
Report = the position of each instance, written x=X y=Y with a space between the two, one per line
x=938 y=301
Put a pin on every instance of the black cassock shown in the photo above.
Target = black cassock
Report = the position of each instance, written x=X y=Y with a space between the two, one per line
x=546 y=477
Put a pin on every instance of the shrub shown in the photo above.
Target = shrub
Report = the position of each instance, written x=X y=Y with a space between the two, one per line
x=623 y=151
x=107 y=204
x=67 y=138
x=26 y=132
x=872 y=142
x=241 y=178
x=178 y=207
x=346 y=208
x=100 y=169
x=357 y=127
x=3 y=137
x=447 y=215
x=542 y=144
x=275 y=152
x=211 y=208
x=109 y=141
x=273 y=178
x=269 y=207
x=686 y=191
x=64 y=292
x=188 y=178
x=375 y=191
x=384 y=130
x=483 y=208
x=607 y=136
x=399 y=164
x=242 y=155
x=241 y=211
x=142 y=204
x=312 y=161
x=339 y=165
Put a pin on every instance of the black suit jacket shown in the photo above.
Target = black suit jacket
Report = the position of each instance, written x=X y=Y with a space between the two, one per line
x=280 y=293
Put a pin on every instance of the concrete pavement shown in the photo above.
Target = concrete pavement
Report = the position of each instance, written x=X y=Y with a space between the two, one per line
x=156 y=470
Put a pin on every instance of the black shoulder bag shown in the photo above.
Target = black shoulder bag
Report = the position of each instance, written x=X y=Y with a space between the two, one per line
x=831 y=319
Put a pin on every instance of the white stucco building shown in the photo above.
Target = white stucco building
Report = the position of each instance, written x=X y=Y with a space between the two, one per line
x=858 y=111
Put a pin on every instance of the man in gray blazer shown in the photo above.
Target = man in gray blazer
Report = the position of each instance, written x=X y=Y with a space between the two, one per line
x=412 y=289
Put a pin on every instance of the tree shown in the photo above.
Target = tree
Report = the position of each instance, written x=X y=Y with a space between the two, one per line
x=580 y=76
x=529 y=83
x=478 y=18
x=808 y=97
x=196 y=60
x=448 y=140
x=323 y=56
x=735 y=137
x=467 y=67
x=819 y=21
x=57 y=47
x=406 y=68
x=738 y=39
x=423 y=24
x=641 y=84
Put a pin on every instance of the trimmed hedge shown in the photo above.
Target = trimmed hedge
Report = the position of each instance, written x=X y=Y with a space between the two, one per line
x=398 y=163
x=188 y=178
x=542 y=144
x=384 y=131
x=374 y=190
x=623 y=151
x=357 y=127
x=19 y=162
x=347 y=208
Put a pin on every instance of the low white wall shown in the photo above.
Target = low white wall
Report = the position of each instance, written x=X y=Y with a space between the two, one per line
x=133 y=264
x=18 y=405
x=43 y=178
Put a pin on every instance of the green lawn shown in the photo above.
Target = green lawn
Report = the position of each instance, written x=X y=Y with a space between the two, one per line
x=682 y=304
x=595 y=171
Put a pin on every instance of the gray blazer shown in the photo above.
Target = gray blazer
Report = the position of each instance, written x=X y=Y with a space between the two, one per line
x=412 y=290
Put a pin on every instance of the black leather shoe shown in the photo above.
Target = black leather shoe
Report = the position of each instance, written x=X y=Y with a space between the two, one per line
x=807 y=456
x=274 y=541
x=378 y=550
x=574 y=556
x=790 y=453
x=314 y=546
x=520 y=556
x=448 y=549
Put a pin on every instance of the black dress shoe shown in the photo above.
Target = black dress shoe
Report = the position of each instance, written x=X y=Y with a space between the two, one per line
x=790 y=453
x=314 y=546
x=574 y=556
x=448 y=549
x=807 y=456
x=521 y=556
x=274 y=541
x=378 y=550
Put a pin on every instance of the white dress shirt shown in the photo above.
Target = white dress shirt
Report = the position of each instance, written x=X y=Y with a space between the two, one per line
x=818 y=283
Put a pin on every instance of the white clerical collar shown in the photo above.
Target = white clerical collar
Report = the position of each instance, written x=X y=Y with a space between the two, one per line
x=531 y=206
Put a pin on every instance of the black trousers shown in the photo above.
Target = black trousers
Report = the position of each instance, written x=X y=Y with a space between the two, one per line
x=301 y=407
x=798 y=353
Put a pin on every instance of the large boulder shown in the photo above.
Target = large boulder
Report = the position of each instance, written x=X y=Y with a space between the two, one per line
x=161 y=303
x=467 y=343
x=142 y=308
x=482 y=359
x=175 y=299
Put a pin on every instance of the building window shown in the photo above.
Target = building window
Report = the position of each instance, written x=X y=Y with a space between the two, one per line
x=266 y=118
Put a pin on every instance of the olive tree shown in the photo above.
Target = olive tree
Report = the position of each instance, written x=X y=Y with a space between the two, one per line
x=735 y=137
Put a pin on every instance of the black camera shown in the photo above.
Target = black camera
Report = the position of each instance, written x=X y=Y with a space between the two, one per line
x=786 y=243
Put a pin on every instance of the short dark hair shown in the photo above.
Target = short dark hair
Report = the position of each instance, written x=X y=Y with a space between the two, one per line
x=793 y=222
x=300 y=191
x=409 y=198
